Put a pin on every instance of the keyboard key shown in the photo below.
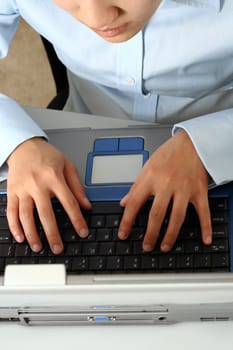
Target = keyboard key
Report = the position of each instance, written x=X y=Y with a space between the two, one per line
x=73 y=249
x=91 y=237
x=218 y=204
x=184 y=261
x=114 y=263
x=202 y=260
x=220 y=231
x=2 y=210
x=123 y=248
x=43 y=252
x=97 y=221
x=217 y=246
x=107 y=248
x=219 y=217
x=46 y=260
x=22 y=250
x=3 y=198
x=103 y=234
x=193 y=246
x=3 y=222
x=80 y=264
x=178 y=247
x=5 y=236
x=132 y=262
x=13 y=261
x=167 y=262
x=6 y=250
x=137 y=233
x=89 y=249
x=30 y=260
x=220 y=260
x=150 y=262
x=97 y=263
x=137 y=248
x=69 y=235
x=113 y=220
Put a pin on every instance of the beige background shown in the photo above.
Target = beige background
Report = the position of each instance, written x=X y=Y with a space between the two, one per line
x=25 y=73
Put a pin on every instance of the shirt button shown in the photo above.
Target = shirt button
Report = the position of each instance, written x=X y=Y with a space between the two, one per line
x=148 y=95
x=130 y=80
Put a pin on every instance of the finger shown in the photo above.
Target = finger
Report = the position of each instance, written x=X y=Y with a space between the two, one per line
x=176 y=219
x=13 y=218
x=74 y=183
x=203 y=212
x=155 y=220
x=26 y=216
x=49 y=224
x=71 y=206
x=135 y=199
x=124 y=200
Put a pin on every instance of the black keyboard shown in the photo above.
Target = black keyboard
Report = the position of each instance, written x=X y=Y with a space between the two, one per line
x=103 y=252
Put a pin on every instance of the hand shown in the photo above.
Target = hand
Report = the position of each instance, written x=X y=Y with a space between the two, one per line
x=174 y=173
x=38 y=172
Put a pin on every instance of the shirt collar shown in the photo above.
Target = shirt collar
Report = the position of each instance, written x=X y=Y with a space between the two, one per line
x=211 y=4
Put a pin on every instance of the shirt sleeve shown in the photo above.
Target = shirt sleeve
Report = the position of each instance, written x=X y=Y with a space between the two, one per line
x=15 y=125
x=212 y=137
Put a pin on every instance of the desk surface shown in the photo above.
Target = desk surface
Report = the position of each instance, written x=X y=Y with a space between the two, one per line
x=180 y=336
x=209 y=335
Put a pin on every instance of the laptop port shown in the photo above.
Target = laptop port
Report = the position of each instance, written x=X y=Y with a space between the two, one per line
x=207 y=319
x=9 y=319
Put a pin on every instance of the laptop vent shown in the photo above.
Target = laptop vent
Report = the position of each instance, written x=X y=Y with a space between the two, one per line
x=207 y=319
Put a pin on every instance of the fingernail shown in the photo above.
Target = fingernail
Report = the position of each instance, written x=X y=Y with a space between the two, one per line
x=57 y=249
x=19 y=238
x=83 y=233
x=36 y=247
x=122 y=235
x=147 y=247
x=165 y=248
x=86 y=200
x=208 y=240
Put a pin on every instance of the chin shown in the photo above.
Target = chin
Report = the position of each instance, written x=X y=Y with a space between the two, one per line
x=121 y=38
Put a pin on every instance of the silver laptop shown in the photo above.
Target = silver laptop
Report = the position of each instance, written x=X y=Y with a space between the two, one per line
x=111 y=282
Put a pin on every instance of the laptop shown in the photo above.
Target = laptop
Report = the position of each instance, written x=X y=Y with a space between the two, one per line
x=101 y=280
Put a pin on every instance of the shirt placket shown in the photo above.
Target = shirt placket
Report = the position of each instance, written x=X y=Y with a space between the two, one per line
x=130 y=79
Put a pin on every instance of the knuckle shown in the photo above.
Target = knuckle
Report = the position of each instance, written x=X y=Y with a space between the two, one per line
x=52 y=171
x=200 y=188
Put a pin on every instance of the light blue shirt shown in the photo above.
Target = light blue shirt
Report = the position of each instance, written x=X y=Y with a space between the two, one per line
x=178 y=69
